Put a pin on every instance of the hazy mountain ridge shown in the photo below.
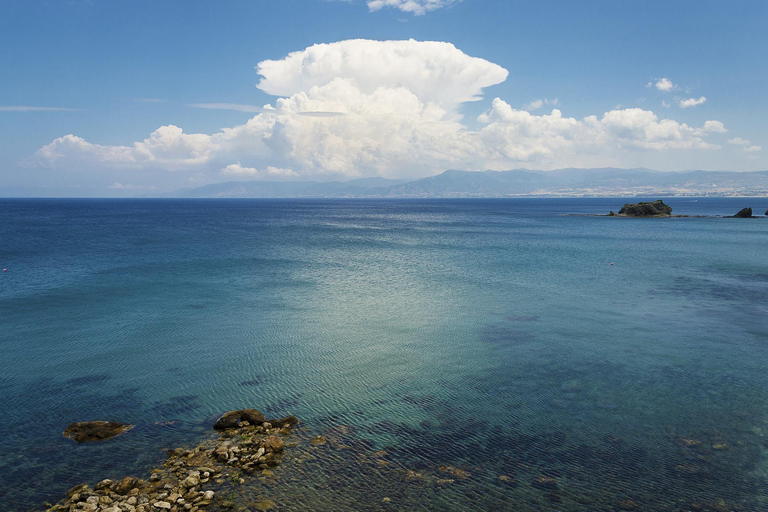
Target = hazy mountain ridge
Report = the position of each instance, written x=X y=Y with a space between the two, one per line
x=517 y=183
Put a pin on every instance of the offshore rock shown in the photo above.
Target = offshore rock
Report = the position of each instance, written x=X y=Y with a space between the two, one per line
x=85 y=431
x=744 y=213
x=654 y=209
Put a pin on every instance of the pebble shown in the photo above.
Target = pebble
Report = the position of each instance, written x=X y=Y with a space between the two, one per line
x=163 y=505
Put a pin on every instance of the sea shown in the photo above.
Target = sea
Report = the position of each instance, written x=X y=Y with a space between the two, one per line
x=464 y=354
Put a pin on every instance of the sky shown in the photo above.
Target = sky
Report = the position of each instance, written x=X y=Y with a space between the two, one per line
x=104 y=98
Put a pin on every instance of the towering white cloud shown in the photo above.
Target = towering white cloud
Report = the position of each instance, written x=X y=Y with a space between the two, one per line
x=386 y=108
x=437 y=73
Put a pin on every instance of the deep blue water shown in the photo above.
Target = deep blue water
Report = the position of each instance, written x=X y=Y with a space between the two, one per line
x=494 y=336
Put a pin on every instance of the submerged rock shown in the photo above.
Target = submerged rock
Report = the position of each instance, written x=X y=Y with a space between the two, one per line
x=86 y=431
x=654 y=209
x=232 y=419
x=744 y=213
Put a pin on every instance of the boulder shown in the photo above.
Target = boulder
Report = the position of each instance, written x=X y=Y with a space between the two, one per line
x=274 y=444
x=288 y=420
x=654 y=209
x=232 y=419
x=744 y=213
x=85 y=431
x=124 y=486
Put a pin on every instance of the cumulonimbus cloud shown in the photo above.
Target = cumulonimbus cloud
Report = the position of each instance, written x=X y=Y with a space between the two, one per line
x=386 y=108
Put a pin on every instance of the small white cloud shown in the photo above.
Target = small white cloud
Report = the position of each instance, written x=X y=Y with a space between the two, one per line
x=537 y=104
x=665 y=104
x=713 y=127
x=738 y=141
x=124 y=186
x=240 y=171
x=665 y=85
x=417 y=7
x=277 y=171
x=752 y=149
x=534 y=105
x=27 y=108
x=692 y=102
x=227 y=106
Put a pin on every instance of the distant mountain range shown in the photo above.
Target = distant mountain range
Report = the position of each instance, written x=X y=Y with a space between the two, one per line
x=605 y=182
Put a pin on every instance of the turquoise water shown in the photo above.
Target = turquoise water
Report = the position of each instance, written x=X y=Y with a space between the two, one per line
x=493 y=336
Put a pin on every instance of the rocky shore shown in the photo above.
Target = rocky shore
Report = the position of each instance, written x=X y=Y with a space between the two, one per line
x=248 y=444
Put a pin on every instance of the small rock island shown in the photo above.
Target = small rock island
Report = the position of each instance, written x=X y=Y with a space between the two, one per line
x=652 y=209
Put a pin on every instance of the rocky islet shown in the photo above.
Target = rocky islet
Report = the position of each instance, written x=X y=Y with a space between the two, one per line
x=185 y=481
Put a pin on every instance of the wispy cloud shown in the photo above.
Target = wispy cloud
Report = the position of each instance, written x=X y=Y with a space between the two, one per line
x=537 y=104
x=417 y=7
x=738 y=141
x=692 y=102
x=228 y=106
x=126 y=186
x=26 y=108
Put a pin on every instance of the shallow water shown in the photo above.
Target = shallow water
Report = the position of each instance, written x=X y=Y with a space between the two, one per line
x=492 y=336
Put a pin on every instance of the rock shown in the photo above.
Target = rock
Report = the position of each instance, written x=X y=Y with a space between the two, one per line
x=232 y=419
x=125 y=485
x=654 y=209
x=104 y=484
x=744 y=213
x=288 y=420
x=208 y=495
x=265 y=505
x=318 y=441
x=85 y=431
x=78 y=489
x=766 y=213
x=274 y=444
x=192 y=479
x=545 y=482
x=164 y=505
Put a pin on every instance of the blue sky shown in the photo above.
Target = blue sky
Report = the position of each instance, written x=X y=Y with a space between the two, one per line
x=104 y=98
